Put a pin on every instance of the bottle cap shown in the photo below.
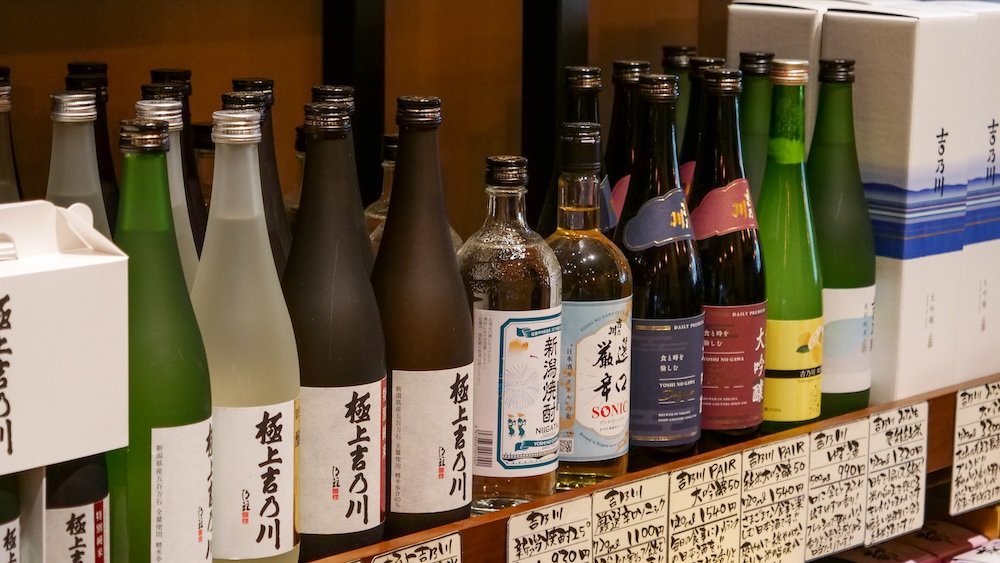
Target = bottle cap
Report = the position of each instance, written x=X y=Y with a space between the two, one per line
x=4 y=76
x=236 y=126
x=162 y=110
x=723 y=81
x=837 y=70
x=71 y=107
x=755 y=63
x=583 y=78
x=203 y=136
x=659 y=87
x=507 y=171
x=699 y=64
x=265 y=85
x=87 y=67
x=144 y=135
x=163 y=91
x=628 y=71
x=678 y=56
x=418 y=110
x=181 y=75
x=390 y=147
x=334 y=93
x=328 y=117
x=580 y=147
x=789 y=72
x=300 y=139
x=96 y=83
x=256 y=101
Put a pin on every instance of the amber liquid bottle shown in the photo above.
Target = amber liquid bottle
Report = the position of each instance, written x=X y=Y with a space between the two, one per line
x=694 y=123
x=428 y=334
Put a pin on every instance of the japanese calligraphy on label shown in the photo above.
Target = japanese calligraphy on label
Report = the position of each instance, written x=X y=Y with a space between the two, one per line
x=342 y=452
x=838 y=486
x=897 y=472
x=975 y=470
x=80 y=534
x=630 y=521
x=733 y=388
x=775 y=481
x=431 y=440
x=181 y=493
x=6 y=359
x=446 y=549
x=560 y=533
x=10 y=536
x=705 y=511
x=254 y=485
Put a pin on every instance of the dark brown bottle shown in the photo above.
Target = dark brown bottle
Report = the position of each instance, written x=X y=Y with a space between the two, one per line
x=77 y=507
x=197 y=211
x=621 y=138
x=274 y=202
x=10 y=182
x=428 y=334
x=93 y=77
x=692 y=128
x=677 y=61
x=341 y=348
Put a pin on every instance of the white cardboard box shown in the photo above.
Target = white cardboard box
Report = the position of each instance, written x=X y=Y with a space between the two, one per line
x=911 y=99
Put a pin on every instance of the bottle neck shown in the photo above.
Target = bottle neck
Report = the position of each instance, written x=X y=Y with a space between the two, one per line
x=656 y=151
x=145 y=200
x=578 y=200
x=236 y=188
x=835 y=114
x=721 y=133
x=388 y=174
x=417 y=192
x=582 y=106
x=695 y=119
x=506 y=207
x=329 y=187
x=786 y=140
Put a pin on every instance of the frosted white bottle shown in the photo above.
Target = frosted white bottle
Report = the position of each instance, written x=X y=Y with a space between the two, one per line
x=252 y=359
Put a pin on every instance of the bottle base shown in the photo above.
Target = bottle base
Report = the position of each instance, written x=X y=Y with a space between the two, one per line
x=493 y=504
x=836 y=404
x=574 y=475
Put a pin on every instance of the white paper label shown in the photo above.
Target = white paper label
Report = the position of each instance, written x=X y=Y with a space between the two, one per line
x=181 y=493
x=848 y=333
x=431 y=440
x=705 y=511
x=630 y=521
x=975 y=469
x=10 y=536
x=838 y=486
x=446 y=549
x=560 y=533
x=80 y=534
x=342 y=458
x=775 y=480
x=517 y=378
x=897 y=472
x=254 y=483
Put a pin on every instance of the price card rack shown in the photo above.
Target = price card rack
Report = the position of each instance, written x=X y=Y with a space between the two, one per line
x=815 y=490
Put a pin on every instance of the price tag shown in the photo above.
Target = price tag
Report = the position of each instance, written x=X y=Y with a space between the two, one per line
x=630 y=521
x=773 y=505
x=446 y=549
x=897 y=472
x=975 y=469
x=705 y=511
x=838 y=488
x=557 y=533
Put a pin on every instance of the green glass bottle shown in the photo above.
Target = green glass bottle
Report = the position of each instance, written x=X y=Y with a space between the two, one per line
x=10 y=519
x=846 y=244
x=162 y=480
x=677 y=61
x=688 y=152
x=793 y=358
x=755 y=116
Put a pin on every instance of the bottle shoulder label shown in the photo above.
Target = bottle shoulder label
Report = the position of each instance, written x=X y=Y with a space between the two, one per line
x=660 y=221
x=724 y=210
x=180 y=501
x=79 y=533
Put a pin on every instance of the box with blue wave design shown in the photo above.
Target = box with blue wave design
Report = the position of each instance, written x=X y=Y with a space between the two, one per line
x=912 y=96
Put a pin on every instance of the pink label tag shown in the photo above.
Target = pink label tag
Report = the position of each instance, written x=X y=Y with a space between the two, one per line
x=618 y=194
x=724 y=210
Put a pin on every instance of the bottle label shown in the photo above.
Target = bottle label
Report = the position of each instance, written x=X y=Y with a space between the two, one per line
x=849 y=315
x=686 y=172
x=619 y=193
x=609 y=219
x=432 y=417
x=667 y=370
x=180 y=501
x=10 y=533
x=79 y=533
x=517 y=397
x=793 y=367
x=660 y=221
x=733 y=390
x=342 y=458
x=594 y=386
x=254 y=484
x=724 y=210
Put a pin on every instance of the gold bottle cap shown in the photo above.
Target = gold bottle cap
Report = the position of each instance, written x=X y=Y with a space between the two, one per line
x=789 y=72
x=659 y=87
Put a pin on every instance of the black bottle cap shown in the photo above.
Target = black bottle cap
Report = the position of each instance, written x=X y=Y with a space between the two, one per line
x=163 y=91
x=678 y=56
x=756 y=63
x=659 y=87
x=203 y=136
x=390 y=147
x=87 y=67
x=181 y=75
x=507 y=171
x=332 y=93
x=836 y=70
x=144 y=135
x=300 y=139
x=95 y=83
x=4 y=76
x=580 y=147
x=244 y=100
x=723 y=81
x=254 y=84
x=583 y=78
x=328 y=116
x=629 y=71
x=418 y=110
x=699 y=64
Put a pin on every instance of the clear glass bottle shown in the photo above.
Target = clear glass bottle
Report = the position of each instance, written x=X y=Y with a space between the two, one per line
x=594 y=386
x=622 y=138
x=93 y=77
x=74 y=175
x=688 y=152
x=677 y=62
x=252 y=359
x=513 y=282
x=10 y=184
x=755 y=116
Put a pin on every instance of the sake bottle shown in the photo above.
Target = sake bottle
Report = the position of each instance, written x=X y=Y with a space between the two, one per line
x=695 y=122
x=77 y=510
x=10 y=519
x=93 y=77
x=620 y=153
x=10 y=184
x=755 y=116
x=676 y=61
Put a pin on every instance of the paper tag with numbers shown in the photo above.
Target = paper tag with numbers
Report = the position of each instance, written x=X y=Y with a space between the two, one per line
x=897 y=472
x=705 y=511
x=975 y=469
x=775 y=481
x=630 y=521
x=557 y=533
x=446 y=549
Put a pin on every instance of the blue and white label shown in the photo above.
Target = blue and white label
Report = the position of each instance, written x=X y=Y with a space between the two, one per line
x=595 y=382
x=517 y=379
x=848 y=335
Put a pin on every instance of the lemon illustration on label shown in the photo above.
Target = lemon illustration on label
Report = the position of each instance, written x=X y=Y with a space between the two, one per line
x=811 y=342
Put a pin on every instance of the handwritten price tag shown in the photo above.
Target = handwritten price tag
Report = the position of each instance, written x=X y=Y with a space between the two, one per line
x=897 y=472
x=446 y=549
x=775 y=481
x=838 y=488
x=704 y=511
x=557 y=533
x=975 y=469
x=630 y=521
